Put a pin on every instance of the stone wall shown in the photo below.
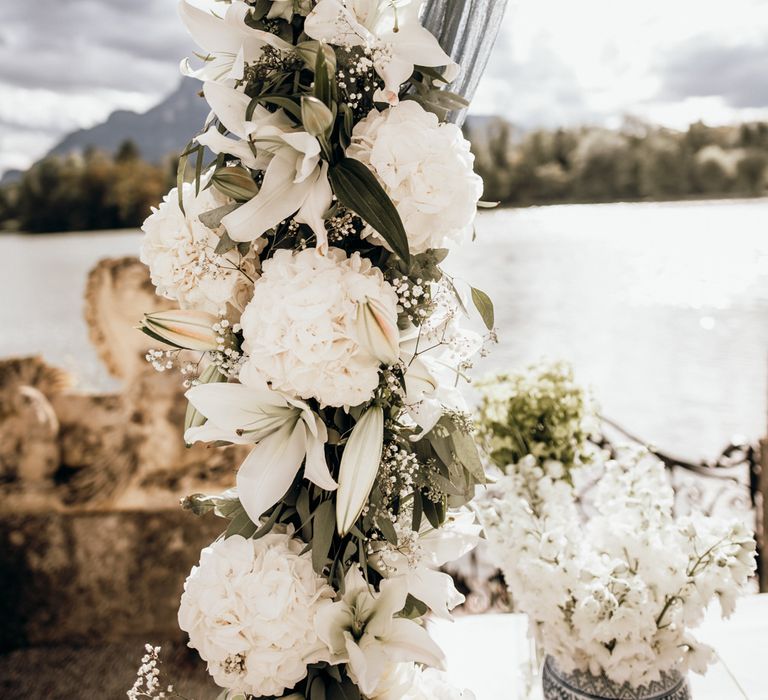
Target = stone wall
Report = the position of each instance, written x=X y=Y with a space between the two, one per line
x=93 y=543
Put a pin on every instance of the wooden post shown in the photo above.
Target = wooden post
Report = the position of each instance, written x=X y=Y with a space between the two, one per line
x=762 y=516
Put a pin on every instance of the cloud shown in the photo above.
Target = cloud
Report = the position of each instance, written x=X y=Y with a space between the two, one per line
x=68 y=46
x=705 y=67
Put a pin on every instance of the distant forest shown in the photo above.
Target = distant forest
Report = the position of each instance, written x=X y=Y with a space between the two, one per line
x=96 y=191
x=636 y=162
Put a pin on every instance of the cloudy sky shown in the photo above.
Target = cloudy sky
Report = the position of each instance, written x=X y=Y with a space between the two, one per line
x=65 y=65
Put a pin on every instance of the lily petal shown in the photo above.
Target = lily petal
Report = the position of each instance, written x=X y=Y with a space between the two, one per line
x=278 y=199
x=409 y=641
x=359 y=466
x=229 y=105
x=239 y=409
x=316 y=467
x=318 y=202
x=218 y=143
x=269 y=470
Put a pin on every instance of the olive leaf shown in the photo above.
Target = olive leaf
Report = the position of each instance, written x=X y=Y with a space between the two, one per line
x=212 y=219
x=484 y=305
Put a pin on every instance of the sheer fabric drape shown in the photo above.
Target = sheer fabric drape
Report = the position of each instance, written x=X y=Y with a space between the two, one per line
x=466 y=29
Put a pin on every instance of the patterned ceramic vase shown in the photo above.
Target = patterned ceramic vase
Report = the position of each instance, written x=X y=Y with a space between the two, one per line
x=579 y=685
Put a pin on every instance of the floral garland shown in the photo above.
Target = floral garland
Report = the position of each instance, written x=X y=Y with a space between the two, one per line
x=317 y=326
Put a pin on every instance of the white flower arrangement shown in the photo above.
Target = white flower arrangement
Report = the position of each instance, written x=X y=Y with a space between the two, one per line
x=426 y=168
x=250 y=608
x=308 y=272
x=620 y=593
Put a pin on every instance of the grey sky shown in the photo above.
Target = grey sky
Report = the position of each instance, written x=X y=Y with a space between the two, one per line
x=65 y=65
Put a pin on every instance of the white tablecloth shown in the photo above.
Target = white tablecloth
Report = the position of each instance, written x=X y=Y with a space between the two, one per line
x=490 y=654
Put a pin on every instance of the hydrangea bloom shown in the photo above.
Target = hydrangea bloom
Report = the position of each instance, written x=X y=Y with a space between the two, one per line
x=425 y=167
x=179 y=250
x=301 y=327
x=249 y=609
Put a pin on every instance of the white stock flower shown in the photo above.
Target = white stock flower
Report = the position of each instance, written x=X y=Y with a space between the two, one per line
x=362 y=630
x=286 y=431
x=417 y=557
x=179 y=251
x=618 y=594
x=250 y=609
x=300 y=328
x=425 y=167
x=390 y=30
x=295 y=177
x=230 y=44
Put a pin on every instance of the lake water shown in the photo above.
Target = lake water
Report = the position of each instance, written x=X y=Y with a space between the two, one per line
x=662 y=308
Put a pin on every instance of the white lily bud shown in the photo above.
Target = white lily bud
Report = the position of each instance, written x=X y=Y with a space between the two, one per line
x=187 y=329
x=359 y=466
x=315 y=116
x=377 y=332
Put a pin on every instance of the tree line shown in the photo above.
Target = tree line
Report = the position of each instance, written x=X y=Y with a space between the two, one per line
x=638 y=161
x=92 y=191
x=95 y=190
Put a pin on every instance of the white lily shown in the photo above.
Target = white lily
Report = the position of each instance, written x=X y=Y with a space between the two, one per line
x=295 y=178
x=391 y=28
x=185 y=328
x=286 y=431
x=361 y=629
x=377 y=331
x=416 y=559
x=221 y=31
x=359 y=465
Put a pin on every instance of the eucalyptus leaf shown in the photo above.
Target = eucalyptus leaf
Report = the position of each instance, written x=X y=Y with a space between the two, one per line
x=358 y=189
x=484 y=305
x=212 y=219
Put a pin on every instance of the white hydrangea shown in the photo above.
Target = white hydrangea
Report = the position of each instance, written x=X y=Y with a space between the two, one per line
x=300 y=329
x=179 y=251
x=619 y=593
x=249 y=608
x=425 y=167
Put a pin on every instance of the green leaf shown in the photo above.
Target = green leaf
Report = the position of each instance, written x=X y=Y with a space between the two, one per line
x=325 y=71
x=286 y=103
x=484 y=305
x=430 y=510
x=323 y=528
x=224 y=245
x=387 y=529
x=467 y=454
x=317 y=690
x=242 y=525
x=212 y=219
x=418 y=511
x=181 y=170
x=358 y=189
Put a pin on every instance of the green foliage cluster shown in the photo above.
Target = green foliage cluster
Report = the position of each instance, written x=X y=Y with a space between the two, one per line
x=540 y=411
x=85 y=192
x=638 y=161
